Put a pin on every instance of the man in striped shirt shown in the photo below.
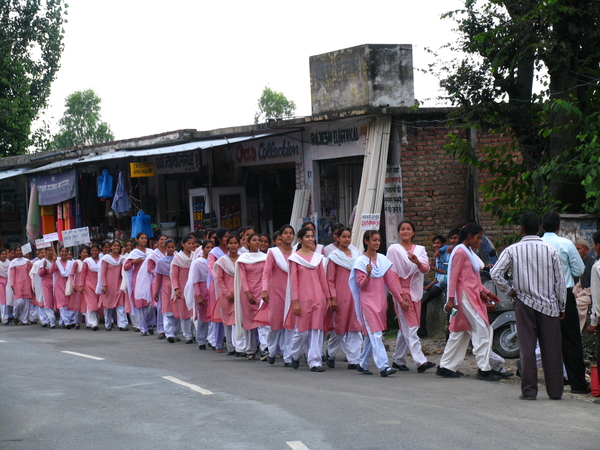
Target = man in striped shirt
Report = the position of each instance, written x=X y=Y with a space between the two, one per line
x=539 y=293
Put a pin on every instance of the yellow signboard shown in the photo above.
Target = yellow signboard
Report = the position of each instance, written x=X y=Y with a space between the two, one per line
x=141 y=169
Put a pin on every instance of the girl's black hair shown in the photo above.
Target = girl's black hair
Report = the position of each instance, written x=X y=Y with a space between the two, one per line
x=187 y=237
x=169 y=241
x=472 y=228
x=307 y=223
x=140 y=234
x=220 y=233
x=205 y=242
x=233 y=236
x=301 y=234
x=367 y=237
x=287 y=225
x=85 y=247
x=106 y=242
x=412 y=225
x=267 y=236
x=113 y=243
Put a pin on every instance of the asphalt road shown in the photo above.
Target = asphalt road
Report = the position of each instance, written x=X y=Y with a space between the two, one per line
x=55 y=400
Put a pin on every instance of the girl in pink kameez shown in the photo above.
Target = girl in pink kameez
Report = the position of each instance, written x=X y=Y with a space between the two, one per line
x=371 y=274
x=215 y=329
x=223 y=275
x=140 y=306
x=88 y=281
x=48 y=278
x=468 y=297
x=4 y=263
x=64 y=268
x=310 y=297
x=247 y=292
x=163 y=289
x=182 y=313
x=76 y=303
x=275 y=289
x=112 y=298
x=346 y=330
x=197 y=288
x=411 y=263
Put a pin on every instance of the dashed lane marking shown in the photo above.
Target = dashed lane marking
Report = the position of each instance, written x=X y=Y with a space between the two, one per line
x=193 y=387
x=297 y=445
x=83 y=356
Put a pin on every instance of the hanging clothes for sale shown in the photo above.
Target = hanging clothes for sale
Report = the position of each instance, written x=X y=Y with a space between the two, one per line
x=105 y=185
x=120 y=203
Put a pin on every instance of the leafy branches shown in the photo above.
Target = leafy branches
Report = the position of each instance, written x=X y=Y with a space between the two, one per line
x=273 y=104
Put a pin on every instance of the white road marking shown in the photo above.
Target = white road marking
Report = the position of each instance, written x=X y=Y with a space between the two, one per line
x=2 y=341
x=297 y=445
x=83 y=356
x=193 y=387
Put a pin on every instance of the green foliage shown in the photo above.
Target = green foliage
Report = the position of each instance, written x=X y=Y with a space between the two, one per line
x=31 y=44
x=81 y=123
x=273 y=104
x=532 y=68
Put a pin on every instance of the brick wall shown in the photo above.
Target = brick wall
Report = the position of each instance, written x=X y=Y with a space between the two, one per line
x=435 y=184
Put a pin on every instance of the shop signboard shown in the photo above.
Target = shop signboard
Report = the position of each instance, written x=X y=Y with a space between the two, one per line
x=78 y=236
x=199 y=209
x=56 y=188
x=141 y=169
x=177 y=163
x=392 y=202
x=269 y=150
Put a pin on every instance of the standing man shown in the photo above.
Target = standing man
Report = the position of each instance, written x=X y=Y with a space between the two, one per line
x=539 y=294
x=572 y=266
x=581 y=291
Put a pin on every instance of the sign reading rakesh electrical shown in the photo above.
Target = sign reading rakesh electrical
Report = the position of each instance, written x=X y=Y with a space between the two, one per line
x=271 y=150
x=55 y=188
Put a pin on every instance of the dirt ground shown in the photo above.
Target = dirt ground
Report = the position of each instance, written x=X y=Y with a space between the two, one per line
x=433 y=349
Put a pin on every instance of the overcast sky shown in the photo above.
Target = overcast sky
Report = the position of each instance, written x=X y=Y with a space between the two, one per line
x=166 y=65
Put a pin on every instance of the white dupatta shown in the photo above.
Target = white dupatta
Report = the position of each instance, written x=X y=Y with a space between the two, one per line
x=107 y=259
x=65 y=272
x=339 y=258
x=378 y=270
x=135 y=254
x=246 y=258
x=225 y=263
x=17 y=262
x=198 y=274
x=145 y=279
x=406 y=269
x=185 y=262
x=36 y=280
x=476 y=263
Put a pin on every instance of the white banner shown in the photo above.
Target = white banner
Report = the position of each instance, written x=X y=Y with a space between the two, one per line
x=26 y=249
x=50 y=237
x=40 y=243
x=77 y=236
x=370 y=221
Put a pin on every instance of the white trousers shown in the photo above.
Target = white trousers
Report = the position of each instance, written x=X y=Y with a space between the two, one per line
x=250 y=338
x=41 y=313
x=201 y=331
x=21 y=309
x=373 y=347
x=408 y=340
x=171 y=325
x=313 y=339
x=33 y=313
x=50 y=316
x=76 y=317
x=135 y=321
x=91 y=319
x=228 y=337
x=282 y=339
x=6 y=311
x=121 y=317
x=350 y=342
x=263 y=336
x=481 y=335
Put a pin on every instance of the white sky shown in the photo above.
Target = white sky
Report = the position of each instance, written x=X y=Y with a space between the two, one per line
x=168 y=65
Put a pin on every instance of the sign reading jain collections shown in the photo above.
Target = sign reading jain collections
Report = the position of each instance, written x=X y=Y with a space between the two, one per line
x=137 y=170
x=55 y=188
x=271 y=150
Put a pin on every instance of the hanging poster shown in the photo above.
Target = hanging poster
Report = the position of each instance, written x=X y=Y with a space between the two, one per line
x=392 y=202
x=26 y=249
x=56 y=188
x=370 y=221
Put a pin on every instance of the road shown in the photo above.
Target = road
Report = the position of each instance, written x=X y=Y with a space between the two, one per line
x=55 y=400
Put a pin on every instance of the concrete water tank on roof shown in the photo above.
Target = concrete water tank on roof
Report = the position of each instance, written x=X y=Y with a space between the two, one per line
x=370 y=75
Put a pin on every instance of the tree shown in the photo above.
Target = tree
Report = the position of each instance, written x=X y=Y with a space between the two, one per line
x=273 y=104
x=530 y=68
x=81 y=123
x=31 y=44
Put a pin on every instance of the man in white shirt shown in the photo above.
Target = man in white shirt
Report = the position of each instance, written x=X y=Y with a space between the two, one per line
x=539 y=293
x=572 y=266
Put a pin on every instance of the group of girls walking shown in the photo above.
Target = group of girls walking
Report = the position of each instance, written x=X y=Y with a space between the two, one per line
x=260 y=301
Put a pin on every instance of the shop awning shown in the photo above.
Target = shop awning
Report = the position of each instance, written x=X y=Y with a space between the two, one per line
x=189 y=146
x=11 y=173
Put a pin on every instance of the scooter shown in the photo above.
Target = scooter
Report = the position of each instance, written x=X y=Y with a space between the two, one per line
x=502 y=319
